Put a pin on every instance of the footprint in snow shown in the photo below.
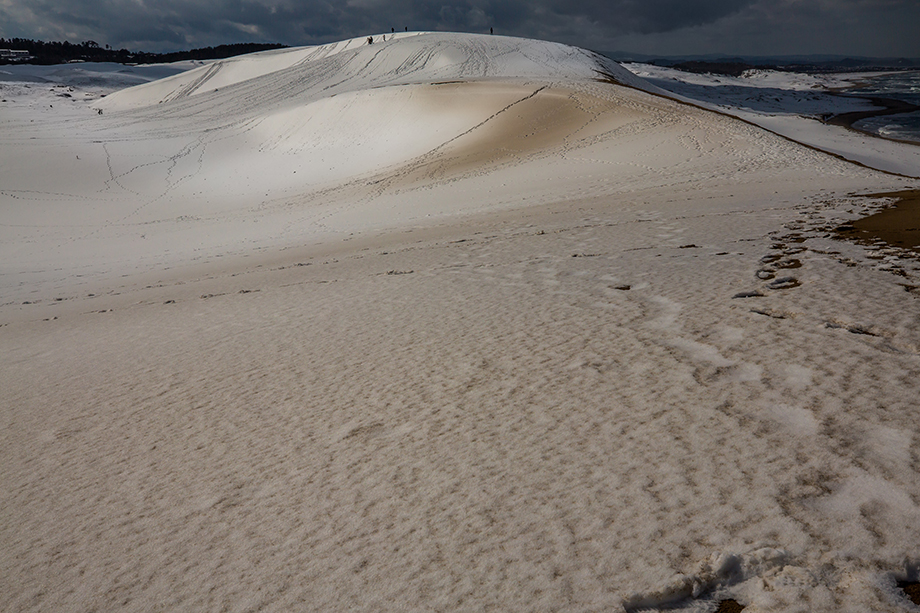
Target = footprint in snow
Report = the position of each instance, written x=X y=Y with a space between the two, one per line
x=784 y=283
x=781 y=260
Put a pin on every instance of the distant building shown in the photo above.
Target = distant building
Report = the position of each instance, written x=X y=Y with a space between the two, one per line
x=14 y=55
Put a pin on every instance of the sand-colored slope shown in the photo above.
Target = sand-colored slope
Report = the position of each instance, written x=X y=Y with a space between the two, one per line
x=112 y=180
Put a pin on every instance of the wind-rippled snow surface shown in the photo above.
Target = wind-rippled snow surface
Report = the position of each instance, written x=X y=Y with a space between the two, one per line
x=480 y=331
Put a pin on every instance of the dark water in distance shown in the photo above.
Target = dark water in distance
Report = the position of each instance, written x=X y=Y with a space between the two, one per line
x=901 y=86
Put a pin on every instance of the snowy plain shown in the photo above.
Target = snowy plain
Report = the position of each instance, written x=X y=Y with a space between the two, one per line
x=447 y=322
x=791 y=105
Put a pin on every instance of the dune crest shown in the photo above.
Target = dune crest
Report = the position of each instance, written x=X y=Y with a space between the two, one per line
x=305 y=74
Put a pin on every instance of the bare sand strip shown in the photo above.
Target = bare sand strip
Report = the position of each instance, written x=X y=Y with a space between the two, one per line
x=897 y=225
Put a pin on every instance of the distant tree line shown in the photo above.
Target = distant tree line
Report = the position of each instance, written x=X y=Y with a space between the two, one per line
x=90 y=51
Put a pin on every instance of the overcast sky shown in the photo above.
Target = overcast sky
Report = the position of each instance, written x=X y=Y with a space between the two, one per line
x=658 y=27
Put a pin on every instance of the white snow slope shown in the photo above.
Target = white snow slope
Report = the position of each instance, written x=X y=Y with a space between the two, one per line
x=444 y=322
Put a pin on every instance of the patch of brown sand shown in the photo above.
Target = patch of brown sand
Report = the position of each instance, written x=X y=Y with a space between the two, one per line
x=912 y=589
x=898 y=225
x=540 y=119
x=730 y=606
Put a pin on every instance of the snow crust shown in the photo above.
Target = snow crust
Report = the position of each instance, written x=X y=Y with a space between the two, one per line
x=444 y=322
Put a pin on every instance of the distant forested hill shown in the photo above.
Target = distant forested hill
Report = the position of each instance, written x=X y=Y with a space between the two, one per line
x=90 y=51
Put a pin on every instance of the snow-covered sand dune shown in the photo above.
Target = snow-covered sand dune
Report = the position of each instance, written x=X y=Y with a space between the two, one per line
x=290 y=77
x=445 y=322
x=270 y=131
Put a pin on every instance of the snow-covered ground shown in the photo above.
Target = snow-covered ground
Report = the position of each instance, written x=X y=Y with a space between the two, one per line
x=792 y=105
x=765 y=91
x=446 y=322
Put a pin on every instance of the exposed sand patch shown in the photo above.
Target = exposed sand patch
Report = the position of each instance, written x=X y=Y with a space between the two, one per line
x=526 y=121
x=730 y=606
x=912 y=590
x=897 y=225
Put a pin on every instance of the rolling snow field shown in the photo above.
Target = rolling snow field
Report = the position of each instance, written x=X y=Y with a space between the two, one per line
x=448 y=322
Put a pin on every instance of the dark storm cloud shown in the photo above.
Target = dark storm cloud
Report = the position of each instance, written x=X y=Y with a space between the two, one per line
x=646 y=16
x=693 y=24
x=294 y=21
x=510 y=15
